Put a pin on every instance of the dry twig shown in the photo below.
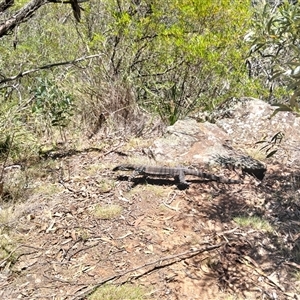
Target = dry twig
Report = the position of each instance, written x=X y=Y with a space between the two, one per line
x=157 y=264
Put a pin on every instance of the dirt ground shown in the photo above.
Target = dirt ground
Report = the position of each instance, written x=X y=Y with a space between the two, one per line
x=176 y=244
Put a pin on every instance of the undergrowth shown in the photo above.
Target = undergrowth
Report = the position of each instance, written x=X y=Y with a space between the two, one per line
x=150 y=63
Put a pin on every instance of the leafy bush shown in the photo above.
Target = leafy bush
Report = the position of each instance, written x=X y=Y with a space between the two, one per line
x=54 y=105
x=176 y=56
x=276 y=45
x=169 y=58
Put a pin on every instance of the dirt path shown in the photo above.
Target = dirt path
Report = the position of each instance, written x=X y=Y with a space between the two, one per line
x=189 y=244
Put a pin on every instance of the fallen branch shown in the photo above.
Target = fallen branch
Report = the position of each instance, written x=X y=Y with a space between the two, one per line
x=158 y=264
x=3 y=261
x=290 y=263
x=249 y=262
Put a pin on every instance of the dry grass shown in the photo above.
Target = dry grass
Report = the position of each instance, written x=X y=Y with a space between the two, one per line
x=123 y=292
x=297 y=275
x=6 y=215
x=6 y=247
x=7 y=240
x=135 y=142
x=15 y=187
x=48 y=189
x=254 y=222
x=256 y=153
x=105 y=185
x=147 y=192
x=107 y=212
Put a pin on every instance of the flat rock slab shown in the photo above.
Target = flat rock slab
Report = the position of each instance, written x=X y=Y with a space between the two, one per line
x=190 y=142
x=239 y=125
x=250 y=121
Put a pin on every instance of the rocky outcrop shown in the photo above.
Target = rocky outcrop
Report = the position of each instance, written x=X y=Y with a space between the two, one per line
x=230 y=141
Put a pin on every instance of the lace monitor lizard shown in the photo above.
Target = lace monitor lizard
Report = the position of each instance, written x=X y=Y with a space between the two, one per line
x=178 y=173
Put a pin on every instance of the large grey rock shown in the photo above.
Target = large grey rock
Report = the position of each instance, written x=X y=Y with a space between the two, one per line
x=239 y=125
x=249 y=121
x=190 y=143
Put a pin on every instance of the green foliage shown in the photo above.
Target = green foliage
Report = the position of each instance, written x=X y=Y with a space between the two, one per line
x=170 y=58
x=271 y=146
x=175 y=51
x=15 y=140
x=55 y=105
x=5 y=145
x=275 y=38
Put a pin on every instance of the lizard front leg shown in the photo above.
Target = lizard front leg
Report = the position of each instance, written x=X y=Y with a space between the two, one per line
x=181 y=178
x=131 y=181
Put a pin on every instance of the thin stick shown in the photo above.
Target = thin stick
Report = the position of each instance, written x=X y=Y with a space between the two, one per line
x=158 y=264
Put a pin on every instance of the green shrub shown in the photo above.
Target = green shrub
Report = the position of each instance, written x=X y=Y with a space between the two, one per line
x=275 y=46
x=176 y=57
x=52 y=104
x=168 y=58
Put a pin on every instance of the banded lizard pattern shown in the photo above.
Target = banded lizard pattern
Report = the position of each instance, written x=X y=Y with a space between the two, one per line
x=177 y=173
